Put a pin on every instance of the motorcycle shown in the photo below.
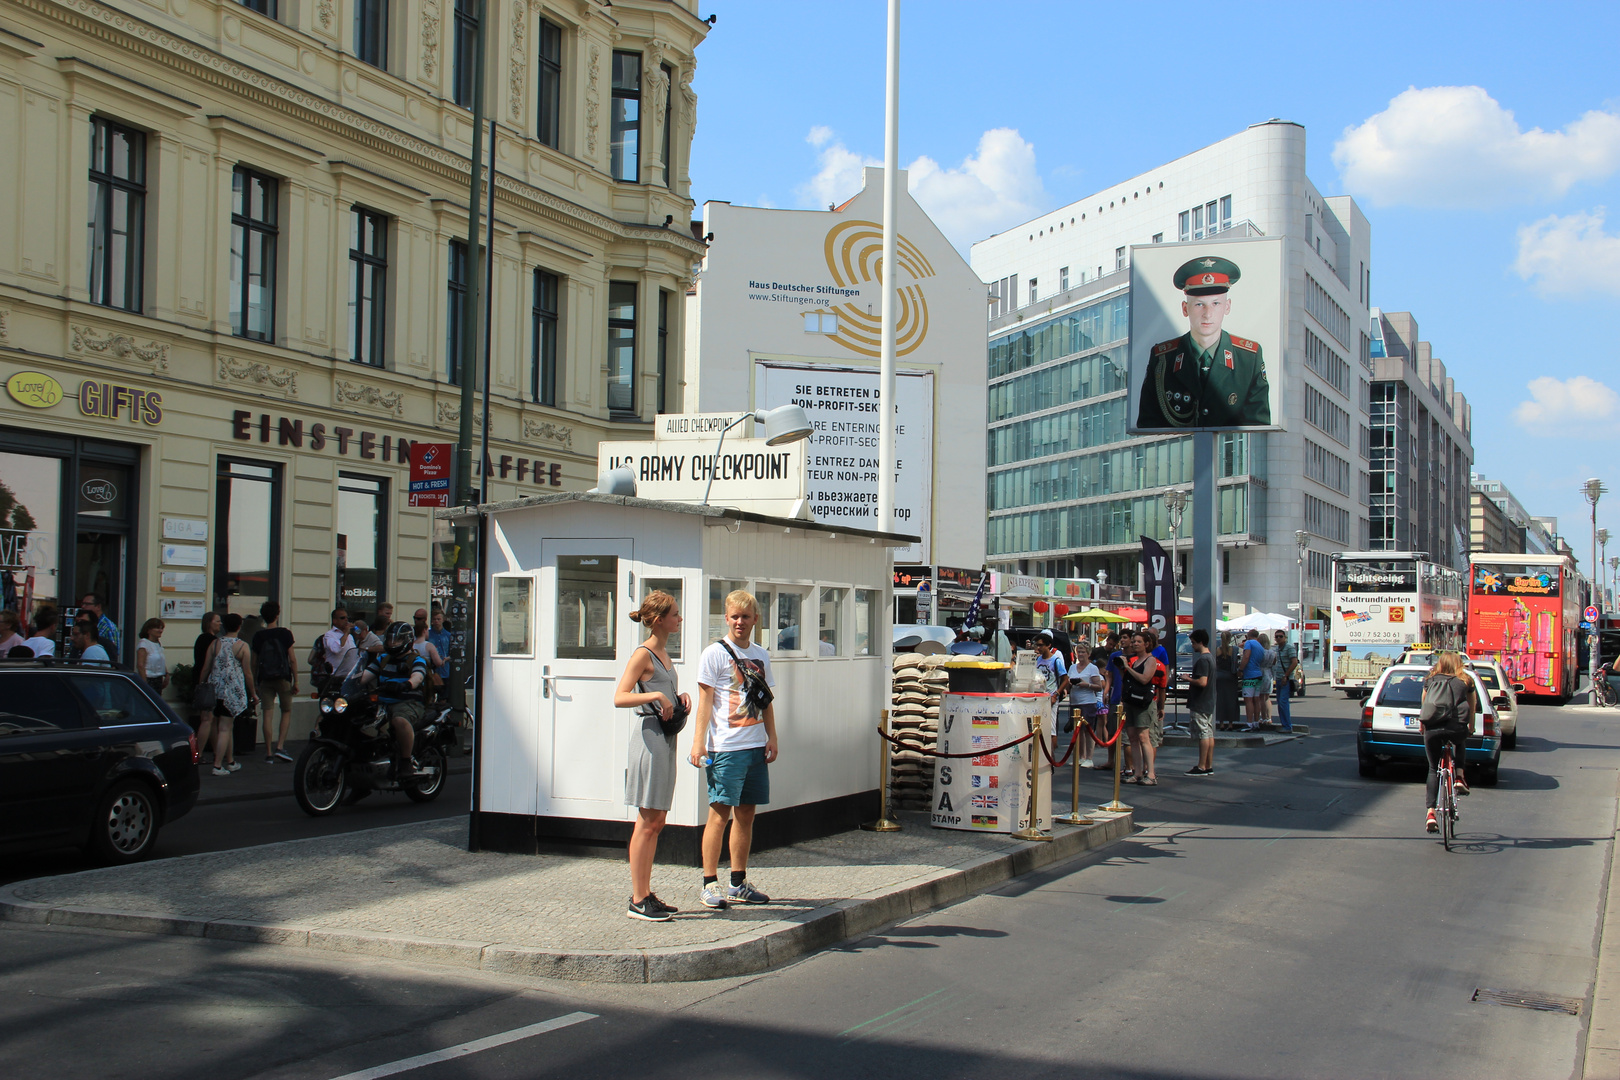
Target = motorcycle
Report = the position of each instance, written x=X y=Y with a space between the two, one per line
x=351 y=752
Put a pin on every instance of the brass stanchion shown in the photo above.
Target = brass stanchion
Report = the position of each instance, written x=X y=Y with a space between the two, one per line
x=1117 y=807
x=884 y=823
x=1032 y=831
x=1074 y=817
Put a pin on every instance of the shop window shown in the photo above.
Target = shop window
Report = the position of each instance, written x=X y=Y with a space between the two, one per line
x=247 y=531
x=368 y=280
x=830 y=628
x=30 y=531
x=869 y=622
x=587 y=628
x=625 y=151
x=718 y=591
x=621 y=388
x=672 y=586
x=550 y=118
x=543 y=372
x=254 y=234
x=362 y=533
x=117 y=214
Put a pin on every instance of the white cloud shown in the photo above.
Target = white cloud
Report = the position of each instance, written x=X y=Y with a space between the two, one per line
x=1576 y=408
x=1455 y=147
x=996 y=186
x=1570 y=254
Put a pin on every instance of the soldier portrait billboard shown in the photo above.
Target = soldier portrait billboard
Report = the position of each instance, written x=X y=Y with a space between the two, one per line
x=1207 y=336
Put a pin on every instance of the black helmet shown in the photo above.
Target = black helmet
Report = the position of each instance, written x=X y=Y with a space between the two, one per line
x=399 y=638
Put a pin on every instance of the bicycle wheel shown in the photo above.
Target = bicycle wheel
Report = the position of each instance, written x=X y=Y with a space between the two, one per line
x=1447 y=807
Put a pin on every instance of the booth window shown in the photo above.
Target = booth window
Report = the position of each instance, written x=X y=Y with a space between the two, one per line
x=587 y=628
x=868 y=606
x=831 y=628
x=625 y=151
x=117 y=214
x=784 y=609
x=672 y=586
x=514 y=615
x=550 y=118
x=719 y=589
x=247 y=551
x=368 y=265
x=254 y=233
x=543 y=376
x=621 y=388
x=362 y=536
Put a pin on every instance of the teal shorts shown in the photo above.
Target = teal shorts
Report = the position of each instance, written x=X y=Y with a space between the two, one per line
x=739 y=777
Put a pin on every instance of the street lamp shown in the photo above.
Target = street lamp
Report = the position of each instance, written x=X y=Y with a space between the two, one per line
x=1302 y=539
x=1614 y=575
x=1603 y=557
x=1175 y=501
x=783 y=424
x=1593 y=489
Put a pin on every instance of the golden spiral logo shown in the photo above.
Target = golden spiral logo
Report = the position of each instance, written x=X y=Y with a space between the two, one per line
x=855 y=256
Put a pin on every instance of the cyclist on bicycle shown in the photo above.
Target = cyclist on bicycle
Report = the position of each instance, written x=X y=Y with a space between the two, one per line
x=400 y=672
x=1449 y=701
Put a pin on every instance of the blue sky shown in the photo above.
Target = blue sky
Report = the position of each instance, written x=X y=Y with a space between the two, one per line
x=1482 y=140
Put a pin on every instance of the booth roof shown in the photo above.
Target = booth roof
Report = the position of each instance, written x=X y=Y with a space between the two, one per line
x=721 y=514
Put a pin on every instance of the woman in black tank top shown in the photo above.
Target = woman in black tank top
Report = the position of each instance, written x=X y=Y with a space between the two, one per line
x=1138 y=696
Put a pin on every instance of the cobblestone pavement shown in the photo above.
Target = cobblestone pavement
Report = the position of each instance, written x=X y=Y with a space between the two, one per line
x=419 y=881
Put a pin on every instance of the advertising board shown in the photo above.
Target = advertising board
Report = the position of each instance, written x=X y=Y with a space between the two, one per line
x=989 y=792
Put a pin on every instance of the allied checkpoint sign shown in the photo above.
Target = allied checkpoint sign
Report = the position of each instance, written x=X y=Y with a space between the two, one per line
x=748 y=474
x=989 y=792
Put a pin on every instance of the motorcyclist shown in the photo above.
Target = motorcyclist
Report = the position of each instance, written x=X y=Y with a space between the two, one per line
x=400 y=674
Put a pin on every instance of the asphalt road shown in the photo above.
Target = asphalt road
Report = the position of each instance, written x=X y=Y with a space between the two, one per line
x=1284 y=918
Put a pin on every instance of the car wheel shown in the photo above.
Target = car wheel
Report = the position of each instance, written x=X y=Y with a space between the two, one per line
x=1366 y=765
x=1510 y=741
x=125 y=828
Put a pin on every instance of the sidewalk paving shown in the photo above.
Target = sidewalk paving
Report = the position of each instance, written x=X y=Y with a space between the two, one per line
x=414 y=892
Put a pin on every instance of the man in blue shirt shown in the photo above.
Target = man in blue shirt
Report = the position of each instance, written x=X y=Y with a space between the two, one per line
x=1252 y=676
x=400 y=673
x=106 y=630
x=439 y=637
x=1050 y=666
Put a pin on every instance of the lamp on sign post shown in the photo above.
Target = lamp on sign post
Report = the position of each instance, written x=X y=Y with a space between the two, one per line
x=1593 y=489
x=783 y=424
x=1302 y=540
x=1614 y=573
x=1603 y=557
x=1175 y=501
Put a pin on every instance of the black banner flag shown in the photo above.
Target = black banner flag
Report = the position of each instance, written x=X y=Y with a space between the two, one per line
x=1158 y=578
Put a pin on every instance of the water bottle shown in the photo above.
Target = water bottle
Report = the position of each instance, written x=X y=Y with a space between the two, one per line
x=705 y=761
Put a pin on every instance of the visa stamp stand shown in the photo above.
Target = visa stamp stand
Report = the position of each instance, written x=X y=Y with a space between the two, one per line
x=563 y=573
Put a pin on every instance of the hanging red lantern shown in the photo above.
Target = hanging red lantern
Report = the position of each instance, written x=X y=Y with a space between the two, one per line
x=1060 y=610
x=1040 y=606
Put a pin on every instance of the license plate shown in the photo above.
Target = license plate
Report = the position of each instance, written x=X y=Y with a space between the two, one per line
x=1411 y=722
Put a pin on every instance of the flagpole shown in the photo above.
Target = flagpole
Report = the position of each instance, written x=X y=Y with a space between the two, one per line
x=891 y=200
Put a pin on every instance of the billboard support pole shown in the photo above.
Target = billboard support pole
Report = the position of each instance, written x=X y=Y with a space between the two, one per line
x=891 y=226
x=1206 y=569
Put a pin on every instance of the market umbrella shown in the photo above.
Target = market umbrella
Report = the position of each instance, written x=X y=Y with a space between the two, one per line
x=1133 y=614
x=1095 y=615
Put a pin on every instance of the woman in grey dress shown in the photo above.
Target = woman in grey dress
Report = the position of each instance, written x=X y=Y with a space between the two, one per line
x=649 y=680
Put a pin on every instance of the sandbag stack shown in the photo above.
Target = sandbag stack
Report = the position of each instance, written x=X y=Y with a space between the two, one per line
x=919 y=683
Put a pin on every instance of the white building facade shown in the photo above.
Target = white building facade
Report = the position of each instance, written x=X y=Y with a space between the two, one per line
x=787 y=308
x=1070 y=493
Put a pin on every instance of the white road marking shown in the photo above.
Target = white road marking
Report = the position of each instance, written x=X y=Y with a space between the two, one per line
x=463 y=1049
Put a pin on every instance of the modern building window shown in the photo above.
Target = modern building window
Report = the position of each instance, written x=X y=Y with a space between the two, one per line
x=263 y=7
x=820 y=322
x=663 y=350
x=1119 y=258
x=254 y=232
x=621 y=388
x=1158 y=238
x=465 y=52
x=1184 y=226
x=247 y=535
x=455 y=311
x=1226 y=212
x=669 y=125
x=543 y=375
x=362 y=542
x=1063 y=279
x=117 y=214
x=1033 y=289
x=368 y=278
x=371 y=32
x=550 y=118
x=625 y=150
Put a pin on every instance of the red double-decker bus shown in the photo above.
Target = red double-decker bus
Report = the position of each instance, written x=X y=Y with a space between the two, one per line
x=1525 y=611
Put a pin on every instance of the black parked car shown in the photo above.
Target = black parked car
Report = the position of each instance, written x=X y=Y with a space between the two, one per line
x=90 y=756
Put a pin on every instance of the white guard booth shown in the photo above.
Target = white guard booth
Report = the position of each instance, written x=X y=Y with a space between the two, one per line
x=565 y=571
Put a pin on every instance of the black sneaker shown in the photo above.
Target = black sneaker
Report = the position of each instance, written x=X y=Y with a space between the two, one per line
x=649 y=909
x=1196 y=771
x=671 y=908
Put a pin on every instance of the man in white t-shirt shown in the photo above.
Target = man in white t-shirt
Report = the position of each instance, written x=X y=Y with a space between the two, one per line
x=1085 y=690
x=737 y=733
x=338 y=647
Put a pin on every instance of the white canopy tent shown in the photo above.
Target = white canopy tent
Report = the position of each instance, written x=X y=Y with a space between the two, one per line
x=1257 y=620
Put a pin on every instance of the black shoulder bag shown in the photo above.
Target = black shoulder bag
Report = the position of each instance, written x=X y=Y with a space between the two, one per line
x=757 y=696
x=677 y=720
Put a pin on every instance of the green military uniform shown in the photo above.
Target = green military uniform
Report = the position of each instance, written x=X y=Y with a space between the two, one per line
x=1188 y=387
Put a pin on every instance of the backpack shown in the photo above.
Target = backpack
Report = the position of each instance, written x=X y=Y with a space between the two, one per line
x=319 y=664
x=272 y=659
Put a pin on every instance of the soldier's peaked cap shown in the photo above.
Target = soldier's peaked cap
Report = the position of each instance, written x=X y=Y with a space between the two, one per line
x=1207 y=274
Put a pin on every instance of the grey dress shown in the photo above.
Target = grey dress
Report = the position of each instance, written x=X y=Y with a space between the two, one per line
x=649 y=783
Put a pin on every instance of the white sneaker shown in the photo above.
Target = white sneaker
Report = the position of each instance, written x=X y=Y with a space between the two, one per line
x=1087 y=763
x=221 y=771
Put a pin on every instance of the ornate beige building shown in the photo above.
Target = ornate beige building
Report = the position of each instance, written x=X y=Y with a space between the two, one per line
x=232 y=272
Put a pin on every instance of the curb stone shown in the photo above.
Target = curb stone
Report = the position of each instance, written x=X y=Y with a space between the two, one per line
x=771 y=946
x=1602 y=1037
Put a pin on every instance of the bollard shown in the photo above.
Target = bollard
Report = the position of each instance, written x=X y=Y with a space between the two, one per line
x=1074 y=817
x=884 y=822
x=1032 y=831
x=1117 y=807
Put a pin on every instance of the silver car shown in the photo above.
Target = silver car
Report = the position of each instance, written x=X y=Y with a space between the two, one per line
x=1504 y=695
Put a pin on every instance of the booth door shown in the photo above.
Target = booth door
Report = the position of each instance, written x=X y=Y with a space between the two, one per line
x=585 y=641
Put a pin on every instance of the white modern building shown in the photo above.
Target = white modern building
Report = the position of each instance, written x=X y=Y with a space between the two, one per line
x=1070 y=493
x=787 y=308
